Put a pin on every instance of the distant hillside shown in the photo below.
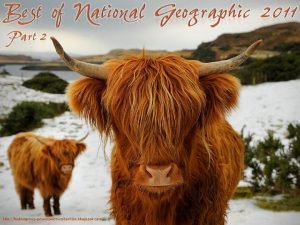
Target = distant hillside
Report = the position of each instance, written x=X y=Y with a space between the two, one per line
x=98 y=59
x=117 y=53
x=275 y=37
x=8 y=59
x=277 y=59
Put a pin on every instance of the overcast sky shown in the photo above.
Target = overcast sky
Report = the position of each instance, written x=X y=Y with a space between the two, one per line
x=81 y=37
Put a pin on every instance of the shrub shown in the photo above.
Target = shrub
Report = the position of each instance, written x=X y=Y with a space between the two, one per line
x=243 y=192
x=293 y=131
x=26 y=116
x=294 y=152
x=4 y=72
x=249 y=149
x=288 y=47
x=204 y=53
x=287 y=203
x=47 y=82
x=225 y=47
x=274 y=168
x=278 y=68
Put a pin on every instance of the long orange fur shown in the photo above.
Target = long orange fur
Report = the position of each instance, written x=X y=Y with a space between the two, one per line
x=158 y=111
x=33 y=166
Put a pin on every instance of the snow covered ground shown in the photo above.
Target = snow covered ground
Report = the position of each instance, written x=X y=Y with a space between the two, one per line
x=262 y=107
x=13 y=92
x=268 y=106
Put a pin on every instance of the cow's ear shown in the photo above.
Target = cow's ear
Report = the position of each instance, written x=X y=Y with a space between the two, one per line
x=85 y=99
x=222 y=91
x=80 y=147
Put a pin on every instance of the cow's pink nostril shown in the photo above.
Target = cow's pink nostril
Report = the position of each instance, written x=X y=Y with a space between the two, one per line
x=162 y=171
x=147 y=172
x=159 y=176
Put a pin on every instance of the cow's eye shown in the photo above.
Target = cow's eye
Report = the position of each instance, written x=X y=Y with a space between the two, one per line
x=66 y=152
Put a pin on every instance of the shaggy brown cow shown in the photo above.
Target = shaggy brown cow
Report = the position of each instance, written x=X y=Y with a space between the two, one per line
x=42 y=163
x=176 y=159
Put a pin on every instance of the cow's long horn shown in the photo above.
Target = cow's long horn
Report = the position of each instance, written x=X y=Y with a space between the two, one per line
x=229 y=64
x=83 y=68
x=83 y=138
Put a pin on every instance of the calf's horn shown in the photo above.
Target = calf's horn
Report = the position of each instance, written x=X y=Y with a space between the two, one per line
x=229 y=64
x=42 y=142
x=86 y=69
x=82 y=139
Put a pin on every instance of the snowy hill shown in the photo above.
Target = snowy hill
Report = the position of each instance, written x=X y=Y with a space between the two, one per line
x=262 y=107
x=268 y=106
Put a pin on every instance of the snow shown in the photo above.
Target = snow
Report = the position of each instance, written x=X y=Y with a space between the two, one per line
x=244 y=212
x=262 y=107
x=267 y=106
x=88 y=192
x=13 y=92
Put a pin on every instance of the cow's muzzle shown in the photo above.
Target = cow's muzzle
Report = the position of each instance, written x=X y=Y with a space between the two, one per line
x=158 y=178
x=66 y=168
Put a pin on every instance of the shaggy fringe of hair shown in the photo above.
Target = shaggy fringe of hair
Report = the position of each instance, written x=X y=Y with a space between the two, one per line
x=154 y=101
x=85 y=98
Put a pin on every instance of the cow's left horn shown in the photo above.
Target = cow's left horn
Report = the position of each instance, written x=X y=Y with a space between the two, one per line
x=83 y=68
x=83 y=138
x=229 y=64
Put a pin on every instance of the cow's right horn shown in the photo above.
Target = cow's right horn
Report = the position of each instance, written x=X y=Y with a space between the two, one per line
x=86 y=69
x=229 y=64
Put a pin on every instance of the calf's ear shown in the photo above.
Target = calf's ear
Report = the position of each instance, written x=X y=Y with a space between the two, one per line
x=222 y=91
x=80 y=147
x=85 y=98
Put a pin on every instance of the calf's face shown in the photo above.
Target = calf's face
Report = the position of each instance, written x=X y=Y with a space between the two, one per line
x=63 y=153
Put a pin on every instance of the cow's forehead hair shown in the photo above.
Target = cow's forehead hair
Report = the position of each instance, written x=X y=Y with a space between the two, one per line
x=60 y=146
x=154 y=99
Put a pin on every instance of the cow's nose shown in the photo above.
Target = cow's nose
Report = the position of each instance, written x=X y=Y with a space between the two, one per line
x=67 y=168
x=159 y=173
x=159 y=176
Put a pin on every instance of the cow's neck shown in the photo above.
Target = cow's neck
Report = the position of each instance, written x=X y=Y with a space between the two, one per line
x=156 y=213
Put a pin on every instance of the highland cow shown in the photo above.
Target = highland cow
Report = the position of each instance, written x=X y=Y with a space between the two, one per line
x=176 y=159
x=43 y=163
